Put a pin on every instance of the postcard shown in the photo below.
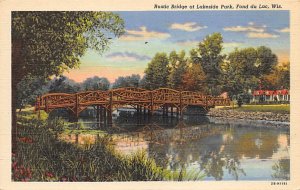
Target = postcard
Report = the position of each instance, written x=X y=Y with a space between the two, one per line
x=149 y=94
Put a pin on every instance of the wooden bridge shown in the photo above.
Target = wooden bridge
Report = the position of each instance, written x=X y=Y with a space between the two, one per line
x=142 y=100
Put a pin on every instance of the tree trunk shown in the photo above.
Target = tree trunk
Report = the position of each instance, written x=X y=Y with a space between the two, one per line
x=17 y=75
x=14 y=115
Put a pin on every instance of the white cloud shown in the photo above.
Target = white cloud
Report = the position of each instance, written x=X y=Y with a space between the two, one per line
x=250 y=28
x=283 y=30
x=188 y=26
x=261 y=35
x=252 y=31
x=143 y=34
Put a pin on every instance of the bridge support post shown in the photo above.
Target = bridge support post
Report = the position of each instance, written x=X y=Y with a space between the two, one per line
x=110 y=108
x=167 y=110
x=101 y=114
x=98 y=113
x=73 y=117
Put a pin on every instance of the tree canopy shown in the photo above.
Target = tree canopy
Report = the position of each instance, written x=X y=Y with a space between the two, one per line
x=127 y=81
x=48 y=43
x=245 y=68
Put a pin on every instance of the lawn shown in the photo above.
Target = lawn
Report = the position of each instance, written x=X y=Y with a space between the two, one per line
x=278 y=108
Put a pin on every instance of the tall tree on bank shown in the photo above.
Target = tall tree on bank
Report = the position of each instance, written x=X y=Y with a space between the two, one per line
x=194 y=78
x=177 y=67
x=156 y=74
x=245 y=68
x=279 y=78
x=210 y=57
x=47 y=43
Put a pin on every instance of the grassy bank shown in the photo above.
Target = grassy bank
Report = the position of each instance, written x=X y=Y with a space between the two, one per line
x=278 y=108
x=42 y=157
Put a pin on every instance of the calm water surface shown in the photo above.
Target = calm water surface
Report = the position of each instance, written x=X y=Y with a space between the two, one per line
x=215 y=149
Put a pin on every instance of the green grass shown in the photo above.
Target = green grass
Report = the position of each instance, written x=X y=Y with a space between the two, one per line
x=41 y=156
x=278 y=108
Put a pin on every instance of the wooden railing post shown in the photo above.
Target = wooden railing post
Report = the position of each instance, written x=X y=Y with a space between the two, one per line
x=110 y=106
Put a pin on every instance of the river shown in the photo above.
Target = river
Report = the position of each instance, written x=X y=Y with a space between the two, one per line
x=206 y=146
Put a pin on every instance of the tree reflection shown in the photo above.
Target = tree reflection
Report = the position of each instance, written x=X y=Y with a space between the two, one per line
x=214 y=163
x=281 y=170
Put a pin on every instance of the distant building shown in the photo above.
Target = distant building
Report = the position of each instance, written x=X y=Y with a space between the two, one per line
x=282 y=95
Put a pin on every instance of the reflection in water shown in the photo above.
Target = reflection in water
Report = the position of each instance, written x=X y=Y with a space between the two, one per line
x=281 y=169
x=219 y=151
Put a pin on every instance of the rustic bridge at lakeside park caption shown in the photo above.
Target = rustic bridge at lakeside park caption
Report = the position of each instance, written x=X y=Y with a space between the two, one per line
x=140 y=99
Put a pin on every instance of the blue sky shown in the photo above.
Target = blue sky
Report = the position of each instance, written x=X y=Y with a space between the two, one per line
x=166 y=31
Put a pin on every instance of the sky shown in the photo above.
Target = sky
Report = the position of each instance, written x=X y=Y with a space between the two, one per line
x=165 y=31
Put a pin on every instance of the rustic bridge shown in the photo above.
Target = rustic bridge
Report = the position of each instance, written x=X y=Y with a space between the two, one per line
x=142 y=100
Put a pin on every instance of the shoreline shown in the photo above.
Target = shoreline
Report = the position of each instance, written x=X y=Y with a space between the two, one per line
x=268 y=119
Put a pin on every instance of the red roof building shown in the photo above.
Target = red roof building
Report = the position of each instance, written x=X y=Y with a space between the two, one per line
x=271 y=95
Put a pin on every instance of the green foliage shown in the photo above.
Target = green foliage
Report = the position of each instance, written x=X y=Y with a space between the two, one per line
x=209 y=51
x=43 y=157
x=128 y=81
x=95 y=83
x=63 y=85
x=177 y=68
x=52 y=42
x=28 y=89
x=156 y=74
x=279 y=78
x=244 y=69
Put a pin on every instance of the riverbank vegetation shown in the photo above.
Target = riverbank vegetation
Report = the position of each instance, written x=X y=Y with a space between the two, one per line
x=41 y=156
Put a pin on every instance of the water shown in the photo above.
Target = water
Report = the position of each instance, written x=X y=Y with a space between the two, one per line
x=206 y=146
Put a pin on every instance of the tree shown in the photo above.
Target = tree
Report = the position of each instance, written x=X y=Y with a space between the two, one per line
x=177 y=68
x=156 y=74
x=62 y=84
x=210 y=57
x=279 y=78
x=245 y=68
x=47 y=43
x=128 y=81
x=28 y=89
x=194 y=77
x=95 y=83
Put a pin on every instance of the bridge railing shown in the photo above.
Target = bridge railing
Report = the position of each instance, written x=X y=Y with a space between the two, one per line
x=79 y=101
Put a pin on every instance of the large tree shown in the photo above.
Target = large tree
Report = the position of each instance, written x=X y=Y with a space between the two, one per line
x=279 y=78
x=47 y=43
x=194 y=78
x=156 y=74
x=177 y=68
x=245 y=68
x=210 y=57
